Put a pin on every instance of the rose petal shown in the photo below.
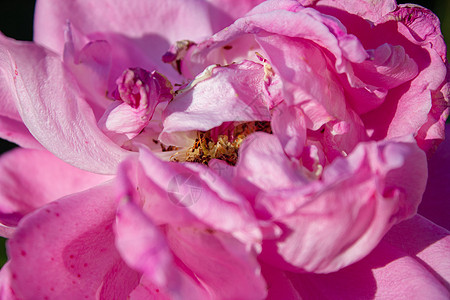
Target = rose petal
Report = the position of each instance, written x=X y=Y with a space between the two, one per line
x=370 y=10
x=208 y=231
x=5 y=280
x=407 y=107
x=138 y=93
x=341 y=219
x=400 y=267
x=220 y=94
x=260 y=153
x=33 y=178
x=288 y=124
x=222 y=263
x=90 y=63
x=11 y=124
x=144 y=247
x=112 y=17
x=435 y=205
x=51 y=105
x=70 y=244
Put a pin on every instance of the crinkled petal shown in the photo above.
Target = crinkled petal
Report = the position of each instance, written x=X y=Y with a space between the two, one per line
x=389 y=67
x=138 y=93
x=288 y=124
x=70 y=244
x=324 y=30
x=342 y=218
x=220 y=94
x=189 y=194
x=204 y=220
x=408 y=107
x=263 y=165
x=90 y=62
x=33 y=178
x=51 y=106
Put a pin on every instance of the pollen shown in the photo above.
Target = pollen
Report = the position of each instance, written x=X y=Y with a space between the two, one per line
x=224 y=147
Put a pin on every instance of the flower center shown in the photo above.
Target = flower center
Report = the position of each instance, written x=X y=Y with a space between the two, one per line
x=221 y=143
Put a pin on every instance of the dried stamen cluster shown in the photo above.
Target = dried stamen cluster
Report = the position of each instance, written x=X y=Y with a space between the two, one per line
x=224 y=148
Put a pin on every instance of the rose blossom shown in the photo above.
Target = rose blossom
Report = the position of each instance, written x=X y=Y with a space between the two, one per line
x=283 y=154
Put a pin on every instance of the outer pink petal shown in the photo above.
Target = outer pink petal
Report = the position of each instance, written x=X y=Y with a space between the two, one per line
x=32 y=178
x=436 y=201
x=428 y=242
x=172 y=20
x=67 y=249
x=51 y=106
x=15 y=131
x=232 y=9
x=139 y=40
x=5 y=284
x=11 y=124
x=412 y=262
x=370 y=10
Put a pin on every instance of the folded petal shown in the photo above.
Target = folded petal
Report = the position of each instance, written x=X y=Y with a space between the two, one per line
x=223 y=263
x=334 y=222
x=12 y=127
x=417 y=104
x=90 y=62
x=288 y=124
x=260 y=153
x=138 y=93
x=33 y=178
x=220 y=94
x=51 y=105
x=67 y=248
x=189 y=194
x=144 y=247
x=208 y=226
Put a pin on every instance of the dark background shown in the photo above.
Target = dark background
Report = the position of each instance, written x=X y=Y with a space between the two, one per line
x=16 y=21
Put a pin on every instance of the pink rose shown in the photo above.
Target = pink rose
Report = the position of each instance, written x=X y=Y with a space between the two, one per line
x=262 y=155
